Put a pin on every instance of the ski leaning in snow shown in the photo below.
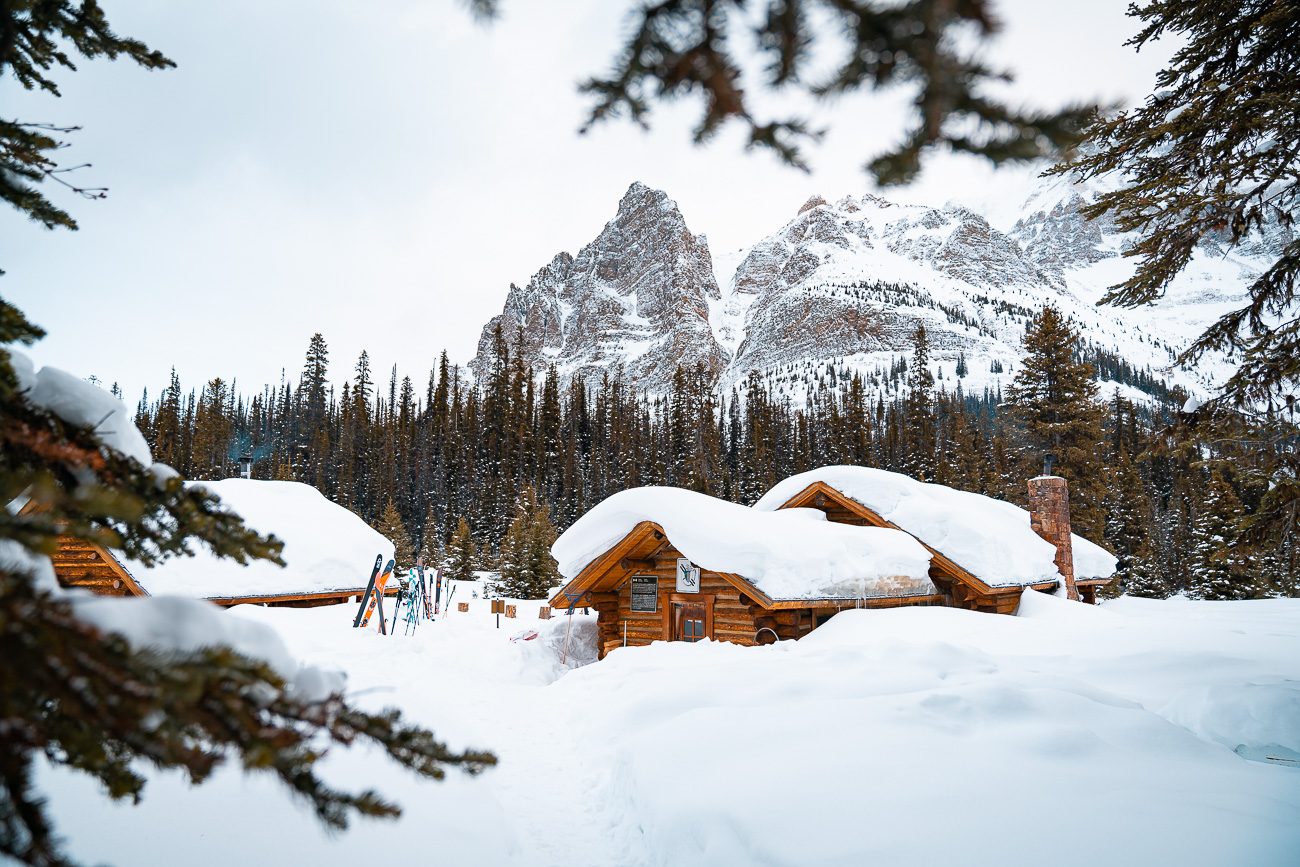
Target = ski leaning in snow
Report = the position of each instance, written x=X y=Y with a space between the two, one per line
x=377 y=598
x=415 y=606
x=424 y=589
x=370 y=588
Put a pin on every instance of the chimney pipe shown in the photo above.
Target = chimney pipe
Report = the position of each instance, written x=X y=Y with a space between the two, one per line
x=1049 y=515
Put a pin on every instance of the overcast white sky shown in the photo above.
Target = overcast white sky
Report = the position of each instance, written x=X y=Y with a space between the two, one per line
x=381 y=171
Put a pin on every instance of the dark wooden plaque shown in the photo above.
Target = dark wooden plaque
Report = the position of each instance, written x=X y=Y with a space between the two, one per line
x=645 y=593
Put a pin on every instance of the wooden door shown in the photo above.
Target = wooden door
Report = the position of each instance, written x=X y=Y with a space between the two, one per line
x=689 y=621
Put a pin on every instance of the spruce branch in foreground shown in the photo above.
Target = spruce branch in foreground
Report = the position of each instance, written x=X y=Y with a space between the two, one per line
x=84 y=696
x=689 y=48
x=1208 y=163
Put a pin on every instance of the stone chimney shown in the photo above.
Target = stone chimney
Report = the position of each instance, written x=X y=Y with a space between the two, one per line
x=1049 y=515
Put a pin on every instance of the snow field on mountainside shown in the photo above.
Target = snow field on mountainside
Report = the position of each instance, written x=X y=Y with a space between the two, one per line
x=1065 y=735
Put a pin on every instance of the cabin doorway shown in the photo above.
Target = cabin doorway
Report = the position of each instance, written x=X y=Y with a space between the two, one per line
x=689 y=617
x=692 y=619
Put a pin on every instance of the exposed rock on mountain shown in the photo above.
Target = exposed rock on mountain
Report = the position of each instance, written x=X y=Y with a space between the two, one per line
x=843 y=286
x=637 y=296
x=1060 y=238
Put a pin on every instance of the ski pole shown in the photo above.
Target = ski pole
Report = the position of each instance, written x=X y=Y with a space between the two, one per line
x=397 y=606
x=564 y=656
x=450 y=593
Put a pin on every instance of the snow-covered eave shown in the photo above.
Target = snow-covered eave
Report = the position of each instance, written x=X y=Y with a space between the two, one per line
x=588 y=580
x=391 y=590
x=981 y=585
x=142 y=588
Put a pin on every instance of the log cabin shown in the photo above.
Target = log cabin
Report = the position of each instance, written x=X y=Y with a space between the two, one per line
x=328 y=550
x=663 y=564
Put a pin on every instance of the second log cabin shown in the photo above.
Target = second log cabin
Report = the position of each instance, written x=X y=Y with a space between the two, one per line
x=328 y=550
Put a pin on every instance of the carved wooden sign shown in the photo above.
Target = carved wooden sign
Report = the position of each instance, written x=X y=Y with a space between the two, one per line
x=645 y=593
x=688 y=577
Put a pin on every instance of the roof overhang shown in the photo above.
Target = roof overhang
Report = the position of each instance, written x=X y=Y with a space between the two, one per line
x=607 y=571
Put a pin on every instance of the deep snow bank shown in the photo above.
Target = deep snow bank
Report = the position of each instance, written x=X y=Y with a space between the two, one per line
x=1067 y=735
x=903 y=736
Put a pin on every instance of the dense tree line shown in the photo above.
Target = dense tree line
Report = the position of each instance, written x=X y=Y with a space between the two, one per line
x=520 y=440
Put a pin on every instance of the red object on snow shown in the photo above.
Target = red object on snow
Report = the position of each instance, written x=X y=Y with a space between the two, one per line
x=524 y=636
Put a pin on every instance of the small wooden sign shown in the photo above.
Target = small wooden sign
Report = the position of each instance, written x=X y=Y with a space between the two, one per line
x=545 y=613
x=510 y=610
x=498 y=606
x=462 y=606
x=645 y=593
x=688 y=577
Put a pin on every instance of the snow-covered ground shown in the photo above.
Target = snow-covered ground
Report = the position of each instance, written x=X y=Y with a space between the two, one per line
x=1065 y=735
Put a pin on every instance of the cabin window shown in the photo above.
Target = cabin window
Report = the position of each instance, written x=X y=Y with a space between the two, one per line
x=689 y=617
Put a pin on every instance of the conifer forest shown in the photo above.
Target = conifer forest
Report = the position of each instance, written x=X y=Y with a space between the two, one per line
x=417 y=460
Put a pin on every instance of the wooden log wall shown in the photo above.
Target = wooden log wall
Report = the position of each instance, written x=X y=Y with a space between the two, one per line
x=78 y=564
x=733 y=618
x=736 y=617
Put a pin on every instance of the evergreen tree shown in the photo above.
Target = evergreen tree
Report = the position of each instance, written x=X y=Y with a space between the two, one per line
x=1277 y=570
x=1209 y=163
x=1127 y=520
x=528 y=571
x=1054 y=398
x=919 y=421
x=1217 y=571
x=432 y=549
x=166 y=441
x=212 y=426
x=461 y=554
x=390 y=526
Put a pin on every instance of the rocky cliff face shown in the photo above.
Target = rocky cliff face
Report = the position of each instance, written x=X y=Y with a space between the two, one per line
x=635 y=298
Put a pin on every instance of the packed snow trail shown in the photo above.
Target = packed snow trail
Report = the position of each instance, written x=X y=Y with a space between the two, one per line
x=1068 y=735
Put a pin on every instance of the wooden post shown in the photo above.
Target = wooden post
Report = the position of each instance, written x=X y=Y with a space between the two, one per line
x=1049 y=515
x=545 y=613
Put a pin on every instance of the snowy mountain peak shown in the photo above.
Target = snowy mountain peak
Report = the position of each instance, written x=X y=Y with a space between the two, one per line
x=636 y=298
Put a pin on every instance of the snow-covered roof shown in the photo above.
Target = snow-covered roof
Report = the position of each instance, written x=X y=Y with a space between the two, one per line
x=791 y=554
x=326 y=547
x=989 y=538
